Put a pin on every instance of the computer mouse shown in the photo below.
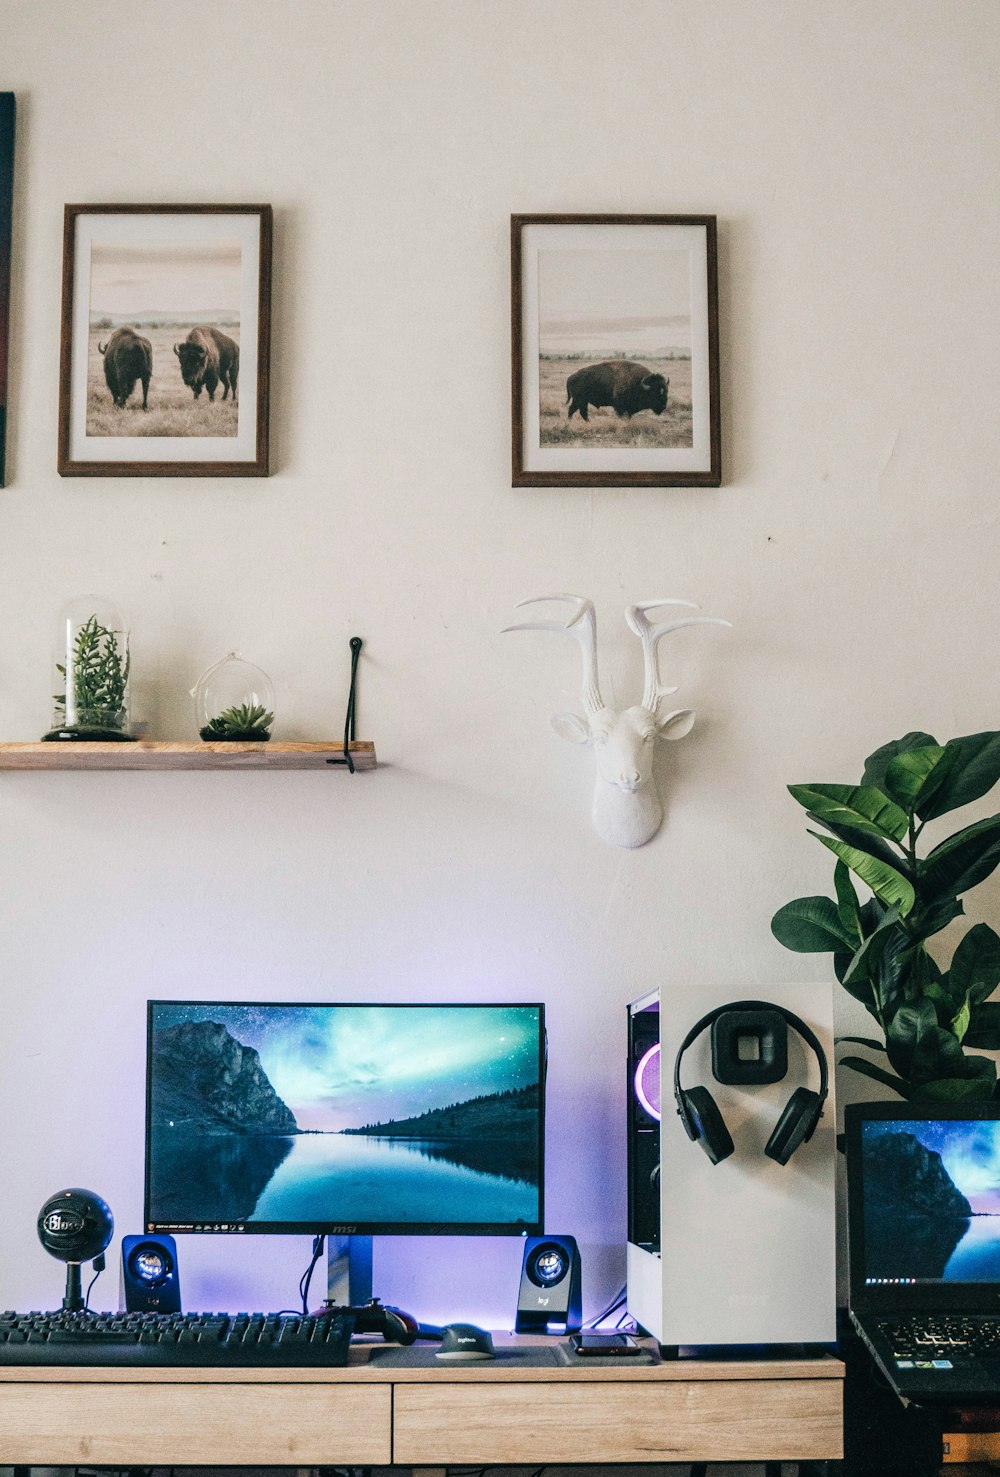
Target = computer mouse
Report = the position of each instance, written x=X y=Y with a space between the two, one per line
x=465 y=1341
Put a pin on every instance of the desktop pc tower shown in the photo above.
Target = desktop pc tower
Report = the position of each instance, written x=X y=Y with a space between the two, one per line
x=731 y=1201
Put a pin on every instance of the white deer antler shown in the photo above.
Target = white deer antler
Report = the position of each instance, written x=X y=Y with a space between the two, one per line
x=582 y=626
x=650 y=632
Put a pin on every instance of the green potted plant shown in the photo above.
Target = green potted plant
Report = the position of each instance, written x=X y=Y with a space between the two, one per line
x=250 y=722
x=932 y=1017
x=93 y=663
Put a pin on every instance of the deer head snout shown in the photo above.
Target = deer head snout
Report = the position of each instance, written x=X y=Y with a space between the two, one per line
x=623 y=745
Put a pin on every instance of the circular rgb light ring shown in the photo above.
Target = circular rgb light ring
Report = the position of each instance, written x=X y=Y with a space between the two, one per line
x=647 y=1081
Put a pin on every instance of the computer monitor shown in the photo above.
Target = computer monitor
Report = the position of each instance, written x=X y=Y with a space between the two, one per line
x=345 y=1119
x=924 y=1202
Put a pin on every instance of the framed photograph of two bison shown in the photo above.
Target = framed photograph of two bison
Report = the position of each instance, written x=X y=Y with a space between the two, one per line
x=615 y=351
x=165 y=341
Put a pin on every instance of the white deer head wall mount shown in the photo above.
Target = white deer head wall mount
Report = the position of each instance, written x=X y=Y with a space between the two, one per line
x=627 y=809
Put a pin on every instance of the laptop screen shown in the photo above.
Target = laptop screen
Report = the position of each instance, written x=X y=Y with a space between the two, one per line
x=924 y=1192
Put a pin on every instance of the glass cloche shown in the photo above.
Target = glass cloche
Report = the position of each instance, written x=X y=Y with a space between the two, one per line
x=234 y=702
x=91 y=672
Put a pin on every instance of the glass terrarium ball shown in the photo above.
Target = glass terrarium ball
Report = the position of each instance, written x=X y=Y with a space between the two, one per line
x=91 y=670
x=234 y=700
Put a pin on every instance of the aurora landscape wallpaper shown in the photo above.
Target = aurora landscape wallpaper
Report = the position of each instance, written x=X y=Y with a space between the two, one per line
x=931 y=1197
x=370 y=1117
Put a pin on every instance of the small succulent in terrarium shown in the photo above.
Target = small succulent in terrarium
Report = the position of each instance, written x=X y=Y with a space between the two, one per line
x=234 y=700
x=251 y=722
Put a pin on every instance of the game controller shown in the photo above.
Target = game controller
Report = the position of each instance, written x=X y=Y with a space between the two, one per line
x=395 y=1325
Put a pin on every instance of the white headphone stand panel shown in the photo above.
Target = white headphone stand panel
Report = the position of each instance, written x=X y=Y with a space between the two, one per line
x=747 y=1246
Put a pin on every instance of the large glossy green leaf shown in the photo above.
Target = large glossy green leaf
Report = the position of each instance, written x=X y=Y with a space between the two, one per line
x=869 y=953
x=959 y=1022
x=914 y=774
x=910 y=1025
x=973 y=769
x=810 y=925
x=921 y=971
x=878 y=1074
x=892 y=973
x=922 y=1051
x=962 y=861
x=888 y=885
x=860 y=806
x=984 y=1027
x=975 y=965
x=978 y=1088
x=876 y=764
x=868 y=1041
x=863 y=990
x=862 y=841
x=924 y=922
x=848 y=907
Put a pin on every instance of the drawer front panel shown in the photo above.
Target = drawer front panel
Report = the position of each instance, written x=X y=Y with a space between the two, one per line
x=213 y=1424
x=679 y=1421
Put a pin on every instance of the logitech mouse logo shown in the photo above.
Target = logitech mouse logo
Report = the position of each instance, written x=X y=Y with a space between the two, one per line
x=463 y=1339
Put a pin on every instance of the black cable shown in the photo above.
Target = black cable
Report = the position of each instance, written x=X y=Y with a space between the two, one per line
x=98 y=1264
x=317 y=1251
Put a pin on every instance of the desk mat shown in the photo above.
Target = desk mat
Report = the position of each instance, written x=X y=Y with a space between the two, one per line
x=417 y=1357
x=569 y=1358
x=545 y=1356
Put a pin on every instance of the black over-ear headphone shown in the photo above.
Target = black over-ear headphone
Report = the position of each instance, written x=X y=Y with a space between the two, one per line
x=699 y=1112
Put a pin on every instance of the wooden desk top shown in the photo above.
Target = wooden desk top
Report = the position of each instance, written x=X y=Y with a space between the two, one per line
x=365 y=1367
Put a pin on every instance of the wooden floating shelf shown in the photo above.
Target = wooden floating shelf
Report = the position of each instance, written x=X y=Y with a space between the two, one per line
x=150 y=754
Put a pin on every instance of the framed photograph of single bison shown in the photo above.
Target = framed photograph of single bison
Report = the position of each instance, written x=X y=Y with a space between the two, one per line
x=163 y=369
x=615 y=351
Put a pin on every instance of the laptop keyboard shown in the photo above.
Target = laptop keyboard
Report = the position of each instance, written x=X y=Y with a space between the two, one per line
x=928 y=1337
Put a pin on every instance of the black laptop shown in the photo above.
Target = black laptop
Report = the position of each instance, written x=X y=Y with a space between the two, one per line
x=924 y=1223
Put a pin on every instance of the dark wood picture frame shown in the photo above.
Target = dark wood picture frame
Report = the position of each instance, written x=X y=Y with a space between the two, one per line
x=8 y=111
x=255 y=461
x=538 y=466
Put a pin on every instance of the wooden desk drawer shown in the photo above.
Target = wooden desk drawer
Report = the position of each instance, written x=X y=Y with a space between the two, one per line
x=678 y=1421
x=178 y=1424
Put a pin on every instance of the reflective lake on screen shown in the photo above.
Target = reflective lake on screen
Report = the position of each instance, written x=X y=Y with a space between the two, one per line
x=343 y=1177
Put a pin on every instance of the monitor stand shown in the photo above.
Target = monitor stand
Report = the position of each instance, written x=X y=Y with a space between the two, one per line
x=349 y=1271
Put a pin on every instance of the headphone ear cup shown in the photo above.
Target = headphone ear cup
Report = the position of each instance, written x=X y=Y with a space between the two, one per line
x=796 y=1124
x=710 y=1126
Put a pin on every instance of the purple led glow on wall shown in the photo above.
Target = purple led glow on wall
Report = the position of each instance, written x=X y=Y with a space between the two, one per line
x=647 y=1081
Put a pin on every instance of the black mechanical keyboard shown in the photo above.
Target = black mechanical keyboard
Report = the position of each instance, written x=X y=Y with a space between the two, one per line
x=217 y=1340
x=942 y=1336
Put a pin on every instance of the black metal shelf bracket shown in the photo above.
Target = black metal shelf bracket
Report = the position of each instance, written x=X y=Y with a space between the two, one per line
x=356 y=644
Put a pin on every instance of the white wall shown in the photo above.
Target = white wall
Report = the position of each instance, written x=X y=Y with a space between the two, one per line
x=849 y=150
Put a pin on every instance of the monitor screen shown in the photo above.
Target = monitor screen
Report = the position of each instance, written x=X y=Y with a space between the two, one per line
x=930 y=1200
x=368 y=1119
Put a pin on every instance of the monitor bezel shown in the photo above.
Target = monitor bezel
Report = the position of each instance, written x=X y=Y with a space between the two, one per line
x=923 y=1297
x=353 y=1228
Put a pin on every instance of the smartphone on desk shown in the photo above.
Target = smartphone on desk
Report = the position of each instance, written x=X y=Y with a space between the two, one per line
x=587 y=1344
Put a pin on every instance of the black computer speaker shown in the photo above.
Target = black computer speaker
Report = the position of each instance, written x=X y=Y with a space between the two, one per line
x=550 y=1285
x=150 y=1279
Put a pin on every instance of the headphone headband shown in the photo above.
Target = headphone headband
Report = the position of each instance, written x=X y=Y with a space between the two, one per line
x=790 y=1018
